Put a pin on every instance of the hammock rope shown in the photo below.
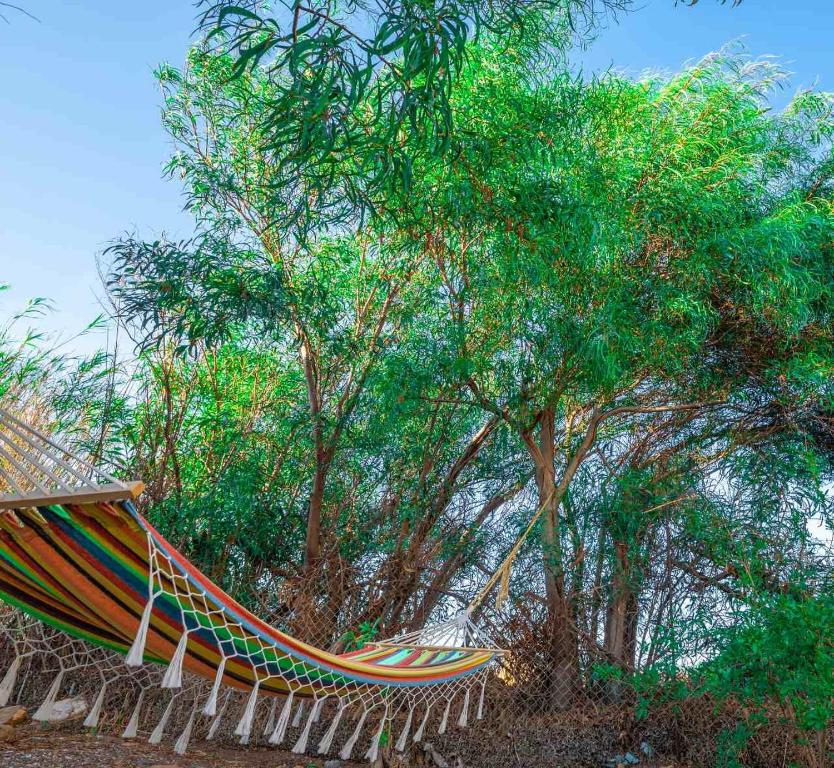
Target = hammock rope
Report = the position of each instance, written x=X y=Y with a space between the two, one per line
x=502 y=572
x=76 y=554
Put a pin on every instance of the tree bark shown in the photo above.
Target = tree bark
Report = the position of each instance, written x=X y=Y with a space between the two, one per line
x=312 y=542
x=561 y=635
x=621 y=615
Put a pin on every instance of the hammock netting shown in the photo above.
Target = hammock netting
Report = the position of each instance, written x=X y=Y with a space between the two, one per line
x=93 y=586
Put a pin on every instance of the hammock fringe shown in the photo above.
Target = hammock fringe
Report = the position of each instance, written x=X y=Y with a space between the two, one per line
x=445 y=721
x=464 y=712
x=44 y=711
x=181 y=745
x=9 y=680
x=403 y=740
x=373 y=749
x=136 y=654
x=299 y=712
x=281 y=728
x=327 y=739
x=215 y=724
x=173 y=675
x=210 y=709
x=480 y=715
x=244 y=727
x=347 y=749
x=270 y=723
x=418 y=734
x=132 y=727
x=159 y=731
x=91 y=721
x=300 y=746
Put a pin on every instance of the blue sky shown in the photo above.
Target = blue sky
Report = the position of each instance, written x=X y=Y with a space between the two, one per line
x=82 y=149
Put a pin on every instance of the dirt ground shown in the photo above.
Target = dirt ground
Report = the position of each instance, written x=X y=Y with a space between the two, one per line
x=39 y=747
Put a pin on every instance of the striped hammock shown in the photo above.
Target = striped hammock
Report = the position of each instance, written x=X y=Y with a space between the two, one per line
x=76 y=554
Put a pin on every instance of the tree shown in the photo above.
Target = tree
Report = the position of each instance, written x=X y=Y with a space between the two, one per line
x=596 y=245
x=328 y=318
x=566 y=298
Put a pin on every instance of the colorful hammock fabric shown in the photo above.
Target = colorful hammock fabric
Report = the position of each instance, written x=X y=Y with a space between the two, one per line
x=82 y=560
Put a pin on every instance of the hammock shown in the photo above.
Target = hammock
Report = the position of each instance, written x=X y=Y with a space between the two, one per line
x=76 y=555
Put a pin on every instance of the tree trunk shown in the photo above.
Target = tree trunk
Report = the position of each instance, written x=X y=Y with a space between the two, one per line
x=620 y=620
x=312 y=543
x=620 y=643
x=561 y=636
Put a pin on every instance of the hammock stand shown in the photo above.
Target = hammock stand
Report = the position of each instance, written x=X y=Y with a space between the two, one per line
x=77 y=556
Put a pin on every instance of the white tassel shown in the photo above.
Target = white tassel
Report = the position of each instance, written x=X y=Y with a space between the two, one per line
x=159 y=731
x=445 y=721
x=281 y=728
x=373 y=750
x=136 y=654
x=244 y=727
x=270 y=723
x=317 y=707
x=418 y=734
x=210 y=709
x=45 y=709
x=92 y=718
x=347 y=750
x=464 y=712
x=301 y=745
x=182 y=742
x=296 y=721
x=403 y=740
x=327 y=739
x=216 y=722
x=173 y=675
x=481 y=700
x=9 y=680
x=132 y=727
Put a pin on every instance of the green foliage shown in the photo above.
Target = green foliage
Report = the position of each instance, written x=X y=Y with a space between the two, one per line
x=773 y=662
x=359 y=90
x=630 y=219
x=779 y=651
x=365 y=633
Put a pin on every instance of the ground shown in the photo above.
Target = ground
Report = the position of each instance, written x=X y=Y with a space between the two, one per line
x=41 y=747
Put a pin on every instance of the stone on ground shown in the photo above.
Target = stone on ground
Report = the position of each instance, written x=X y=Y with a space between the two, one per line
x=67 y=710
x=13 y=715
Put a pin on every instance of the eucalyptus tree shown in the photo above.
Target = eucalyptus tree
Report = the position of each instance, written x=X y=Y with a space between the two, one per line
x=626 y=252
x=337 y=304
x=324 y=322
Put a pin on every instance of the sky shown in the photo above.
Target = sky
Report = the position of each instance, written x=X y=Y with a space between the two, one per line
x=82 y=150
